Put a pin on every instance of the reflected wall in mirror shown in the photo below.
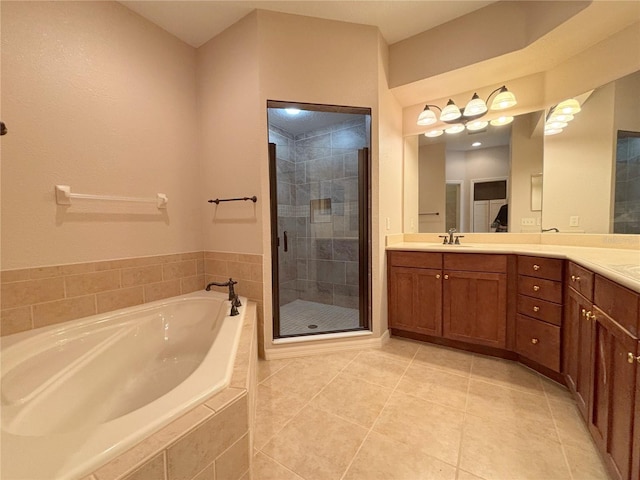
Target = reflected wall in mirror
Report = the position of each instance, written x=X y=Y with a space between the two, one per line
x=585 y=188
x=465 y=178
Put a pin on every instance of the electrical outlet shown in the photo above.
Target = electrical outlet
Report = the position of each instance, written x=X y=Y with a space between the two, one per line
x=574 y=221
x=528 y=221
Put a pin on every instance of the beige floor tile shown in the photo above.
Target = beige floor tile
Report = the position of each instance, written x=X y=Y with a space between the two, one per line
x=585 y=462
x=274 y=408
x=266 y=368
x=435 y=385
x=400 y=349
x=443 y=358
x=520 y=409
x=434 y=429
x=382 y=458
x=506 y=373
x=302 y=378
x=555 y=391
x=265 y=468
x=332 y=361
x=492 y=450
x=316 y=444
x=376 y=368
x=462 y=475
x=572 y=429
x=353 y=399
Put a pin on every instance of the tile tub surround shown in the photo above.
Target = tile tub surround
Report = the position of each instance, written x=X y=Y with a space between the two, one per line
x=41 y=296
x=213 y=440
x=410 y=411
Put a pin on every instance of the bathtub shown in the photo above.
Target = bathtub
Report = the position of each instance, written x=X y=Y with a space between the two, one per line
x=77 y=395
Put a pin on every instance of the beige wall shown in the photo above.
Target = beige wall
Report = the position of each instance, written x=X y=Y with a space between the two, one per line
x=431 y=187
x=97 y=98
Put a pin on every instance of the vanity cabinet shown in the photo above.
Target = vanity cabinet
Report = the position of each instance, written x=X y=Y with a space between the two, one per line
x=577 y=333
x=539 y=308
x=415 y=292
x=475 y=298
x=615 y=371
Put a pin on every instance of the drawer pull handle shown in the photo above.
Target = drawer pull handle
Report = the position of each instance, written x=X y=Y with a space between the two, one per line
x=631 y=357
x=438 y=275
x=591 y=316
x=536 y=288
x=575 y=278
x=535 y=341
x=536 y=308
x=583 y=313
x=536 y=267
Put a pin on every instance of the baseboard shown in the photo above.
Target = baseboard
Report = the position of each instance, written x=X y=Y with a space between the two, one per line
x=303 y=349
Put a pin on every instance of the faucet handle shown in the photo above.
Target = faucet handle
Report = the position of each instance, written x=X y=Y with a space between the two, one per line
x=444 y=242
x=458 y=237
x=236 y=301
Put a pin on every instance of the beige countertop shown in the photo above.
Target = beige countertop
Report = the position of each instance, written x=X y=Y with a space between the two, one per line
x=621 y=266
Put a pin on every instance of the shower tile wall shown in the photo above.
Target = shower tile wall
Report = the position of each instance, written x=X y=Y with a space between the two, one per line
x=627 y=191
x=325 y=252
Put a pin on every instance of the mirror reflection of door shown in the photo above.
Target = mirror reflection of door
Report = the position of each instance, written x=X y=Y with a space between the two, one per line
x=488 y=196
x=452 y=206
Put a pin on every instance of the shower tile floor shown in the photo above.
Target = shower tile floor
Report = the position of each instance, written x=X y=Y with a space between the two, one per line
x=295 y=318
x=414 y=411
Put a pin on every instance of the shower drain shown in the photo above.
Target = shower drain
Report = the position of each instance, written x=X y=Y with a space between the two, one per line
x=312 y=326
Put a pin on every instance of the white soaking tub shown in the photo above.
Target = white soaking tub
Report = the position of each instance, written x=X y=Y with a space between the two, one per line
x=78 y=394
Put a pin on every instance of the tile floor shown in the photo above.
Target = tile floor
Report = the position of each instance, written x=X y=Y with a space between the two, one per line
x=412 y=411
x=296 y=316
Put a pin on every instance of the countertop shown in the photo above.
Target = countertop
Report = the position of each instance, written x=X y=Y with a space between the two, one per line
x=619 y=265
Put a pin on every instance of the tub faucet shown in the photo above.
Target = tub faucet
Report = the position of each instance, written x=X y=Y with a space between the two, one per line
x=235 y=303
x=229 y=284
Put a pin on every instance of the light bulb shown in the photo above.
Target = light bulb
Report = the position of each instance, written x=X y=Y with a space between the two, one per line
x=433 y=133
x=457 y=128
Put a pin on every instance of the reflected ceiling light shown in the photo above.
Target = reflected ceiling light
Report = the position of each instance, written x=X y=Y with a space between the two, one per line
x=476 y=144
x=477 y=125
x=568 y=107
x=455 y=128
x=475 y=108
x=292 y=111
x=559 y=116
x=553 y=125
x=433 y=133
x=498 y=122
x=552 y=131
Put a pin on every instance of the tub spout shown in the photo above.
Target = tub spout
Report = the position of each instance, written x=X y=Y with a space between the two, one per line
x=229 y=284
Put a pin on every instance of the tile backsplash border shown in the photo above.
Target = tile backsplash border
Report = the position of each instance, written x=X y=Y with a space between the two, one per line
x=42 y=296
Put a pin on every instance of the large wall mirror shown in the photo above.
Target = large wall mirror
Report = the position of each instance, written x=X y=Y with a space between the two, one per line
x=585 y=179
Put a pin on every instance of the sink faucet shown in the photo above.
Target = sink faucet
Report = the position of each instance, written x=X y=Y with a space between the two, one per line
x=449 y=239
x=451 y=232
x=230 y=284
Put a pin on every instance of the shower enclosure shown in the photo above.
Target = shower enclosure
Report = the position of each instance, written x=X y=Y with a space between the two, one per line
x=320 y=197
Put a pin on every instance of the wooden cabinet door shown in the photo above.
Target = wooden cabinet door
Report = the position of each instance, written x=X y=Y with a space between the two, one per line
x=635 y=461
x=475 y=307
x=614 y=378
x=415 y=300
x=577 y=345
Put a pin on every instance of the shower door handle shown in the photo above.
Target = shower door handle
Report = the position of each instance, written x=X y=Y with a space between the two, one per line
x=286 y=241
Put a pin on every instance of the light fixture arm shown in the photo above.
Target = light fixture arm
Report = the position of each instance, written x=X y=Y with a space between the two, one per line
x=501 y=89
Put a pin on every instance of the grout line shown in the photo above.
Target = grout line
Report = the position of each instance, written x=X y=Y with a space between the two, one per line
x=464 y=416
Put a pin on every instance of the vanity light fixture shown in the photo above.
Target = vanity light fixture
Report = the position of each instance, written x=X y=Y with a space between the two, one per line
x=475 y=108
x=552 y=131
x=477 y=125
x=498 y=122
x=433 y=133
x=560 y=115
x=457 y=128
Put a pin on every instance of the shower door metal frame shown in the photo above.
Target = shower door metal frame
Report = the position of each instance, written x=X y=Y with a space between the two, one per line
x=364 y=223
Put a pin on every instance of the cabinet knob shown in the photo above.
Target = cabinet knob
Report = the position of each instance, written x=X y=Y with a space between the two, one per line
x=536 y=308
x=438 y=275
x=446 y=277
x=536 y=267
x=536 y=288
x=535 y=341
x=575 y=278
x=591 y=316
x=631 y=357
x=583 y=313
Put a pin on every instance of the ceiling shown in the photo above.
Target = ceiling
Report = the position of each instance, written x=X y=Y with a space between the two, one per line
x=196 y=22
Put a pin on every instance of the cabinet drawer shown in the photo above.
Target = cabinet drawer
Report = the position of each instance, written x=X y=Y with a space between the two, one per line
x=549 y=268
x=415 y=259
x=581 y=280
x=538 y=341
x=475 y=262
x=540 y=309
x=618 y=302
x=540 y=288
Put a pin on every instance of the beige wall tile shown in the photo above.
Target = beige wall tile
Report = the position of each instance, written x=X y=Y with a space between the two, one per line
x=227 y=256
x=174 y=270
x=77 y=268
x=44 y=272
x=62 y=310
x=192 y=256
x=234 y=462
x=20 y=294
x=209 y=473
x=200 y=266
x=216 y=267
x=15 y=320
x=141 y=275
x=172 y=258
x=14 y=276
x=200 y=447
x=87 y=283
x=121 y=298
x=192 y=284
x=249 y=289
x=250 y=258
x=158 y=291
x=224 y=398
x=151 y=470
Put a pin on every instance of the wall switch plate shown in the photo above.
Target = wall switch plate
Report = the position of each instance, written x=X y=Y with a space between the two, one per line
x=574 y=221
x=528 y=221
